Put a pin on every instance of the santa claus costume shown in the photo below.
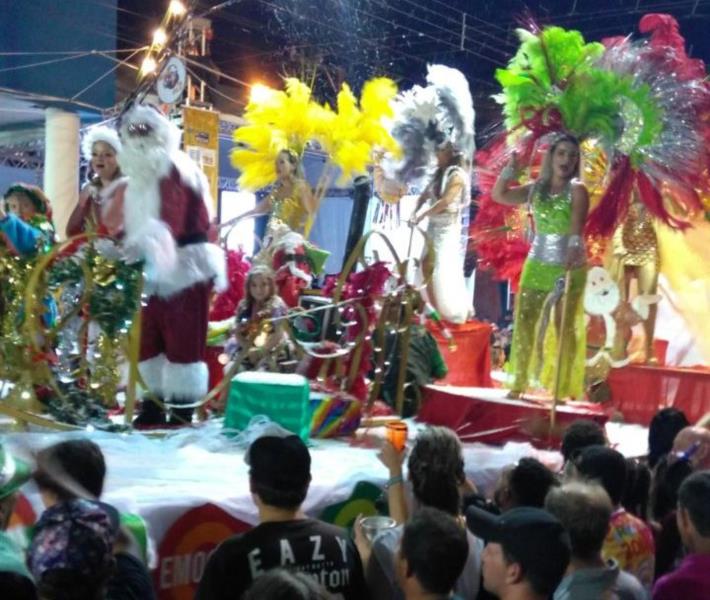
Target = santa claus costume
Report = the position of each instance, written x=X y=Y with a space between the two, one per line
x=167 y=225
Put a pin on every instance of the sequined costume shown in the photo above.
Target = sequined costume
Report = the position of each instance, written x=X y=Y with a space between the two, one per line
x=290 y=210
x=543 y=268
x=635 y=254
x=444 y=230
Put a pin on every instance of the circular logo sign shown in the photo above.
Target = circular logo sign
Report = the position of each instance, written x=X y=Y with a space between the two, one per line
x=172 y=80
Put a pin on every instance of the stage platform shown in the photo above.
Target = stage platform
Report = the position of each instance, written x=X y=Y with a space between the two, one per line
x=486 y=415
x=639 y=391
x=192 y=487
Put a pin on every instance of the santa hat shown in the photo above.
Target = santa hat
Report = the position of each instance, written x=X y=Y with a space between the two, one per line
x=100 y=133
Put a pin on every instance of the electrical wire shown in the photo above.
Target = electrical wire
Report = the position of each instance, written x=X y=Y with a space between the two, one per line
x=458 y=22
x=427 y=35
x=459 y=46
x=47 y=62
x=106 y=74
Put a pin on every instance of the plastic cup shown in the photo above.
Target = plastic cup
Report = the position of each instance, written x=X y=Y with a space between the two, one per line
x=371 y=526
x=397 y=434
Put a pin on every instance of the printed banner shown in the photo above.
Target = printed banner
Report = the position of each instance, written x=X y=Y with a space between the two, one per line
x=201 y=138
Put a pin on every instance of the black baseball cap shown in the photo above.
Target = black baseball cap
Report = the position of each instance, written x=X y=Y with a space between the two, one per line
x=531 y=536
x=279 y=462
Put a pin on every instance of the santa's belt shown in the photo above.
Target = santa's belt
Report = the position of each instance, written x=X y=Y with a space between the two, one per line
x=188 y=240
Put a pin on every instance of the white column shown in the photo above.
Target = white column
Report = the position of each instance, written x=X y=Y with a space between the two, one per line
x=61 y=164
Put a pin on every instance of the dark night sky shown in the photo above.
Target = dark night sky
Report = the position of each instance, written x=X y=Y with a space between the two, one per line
x=354 y=39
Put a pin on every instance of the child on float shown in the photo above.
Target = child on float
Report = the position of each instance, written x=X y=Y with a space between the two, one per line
x=259 y=334
x=26 y=230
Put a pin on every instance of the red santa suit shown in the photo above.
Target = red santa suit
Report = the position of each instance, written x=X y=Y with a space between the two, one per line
x=167 y=225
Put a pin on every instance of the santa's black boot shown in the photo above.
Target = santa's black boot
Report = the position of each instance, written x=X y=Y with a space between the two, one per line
x=180 y=417
x=151 y=415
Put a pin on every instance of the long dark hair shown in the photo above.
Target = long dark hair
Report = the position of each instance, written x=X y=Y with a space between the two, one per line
x=543 y=181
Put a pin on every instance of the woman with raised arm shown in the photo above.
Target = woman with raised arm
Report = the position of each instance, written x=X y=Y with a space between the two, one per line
x=558 y=203
x=291 y=199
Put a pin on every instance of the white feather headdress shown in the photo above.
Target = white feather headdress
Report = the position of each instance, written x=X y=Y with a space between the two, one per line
x=426 y=117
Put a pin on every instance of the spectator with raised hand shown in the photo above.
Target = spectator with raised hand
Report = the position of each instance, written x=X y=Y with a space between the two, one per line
x=629 y=540
x=436 y=476
x=279 y=477
x=585 y=511
x=691 y=580
x=526 y=555
x=432 y=554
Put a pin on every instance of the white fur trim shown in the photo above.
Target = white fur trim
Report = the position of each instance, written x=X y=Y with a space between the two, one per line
x=296 y=272
x=154 y=242
x=151 y=371
x=165 y=133
x=111 y=188
x=195 y=263
x=288 y=242
x=185 y=381
x=100 y=133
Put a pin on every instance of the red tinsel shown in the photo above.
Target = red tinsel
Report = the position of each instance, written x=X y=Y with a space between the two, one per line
x=614 y=203
x=499 y=248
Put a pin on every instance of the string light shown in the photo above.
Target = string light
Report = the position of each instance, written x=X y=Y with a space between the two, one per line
x=176 y=8
x=160 y=38
x=148 y=66
x=260 y=93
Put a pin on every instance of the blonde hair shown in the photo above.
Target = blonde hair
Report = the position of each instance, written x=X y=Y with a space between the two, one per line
x=545 y=177
x=295 y=161
x=256 y=271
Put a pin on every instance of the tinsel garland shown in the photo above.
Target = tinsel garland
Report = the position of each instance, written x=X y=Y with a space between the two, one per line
x=78 y=382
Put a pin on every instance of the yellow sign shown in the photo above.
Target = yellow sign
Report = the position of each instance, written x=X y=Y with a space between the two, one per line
x=201 y=137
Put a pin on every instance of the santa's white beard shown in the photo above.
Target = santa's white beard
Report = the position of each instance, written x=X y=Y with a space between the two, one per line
x=144 y=159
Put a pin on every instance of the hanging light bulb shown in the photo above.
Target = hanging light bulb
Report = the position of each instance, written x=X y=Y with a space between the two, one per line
x=148 y=66
x=259 y=93
x=160 y=38
x=176 y=8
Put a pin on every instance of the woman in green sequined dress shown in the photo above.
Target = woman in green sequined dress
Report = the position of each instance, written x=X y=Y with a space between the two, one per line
x=559 y=203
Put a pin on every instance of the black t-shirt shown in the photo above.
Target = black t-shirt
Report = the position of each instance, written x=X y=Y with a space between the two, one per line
x=131 y=580
x=318 y=549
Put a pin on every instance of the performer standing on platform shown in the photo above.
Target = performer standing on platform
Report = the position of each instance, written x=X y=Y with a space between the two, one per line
x=95 y=210
x=636 y=254
x=167 y=224
x=434 y=126
x=558 y=204
x=449 y=195
x=290 y=200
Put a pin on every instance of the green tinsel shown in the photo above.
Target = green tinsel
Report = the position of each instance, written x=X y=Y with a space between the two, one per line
x=114 y=294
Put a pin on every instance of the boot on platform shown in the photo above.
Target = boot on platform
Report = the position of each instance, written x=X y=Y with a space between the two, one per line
x=180 y=417
x=151 y=415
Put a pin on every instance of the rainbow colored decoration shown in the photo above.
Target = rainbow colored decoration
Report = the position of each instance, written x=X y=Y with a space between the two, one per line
x=334 y=413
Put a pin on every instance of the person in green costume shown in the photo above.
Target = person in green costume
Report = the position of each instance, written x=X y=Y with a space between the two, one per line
x=558 y=202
